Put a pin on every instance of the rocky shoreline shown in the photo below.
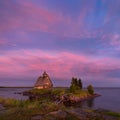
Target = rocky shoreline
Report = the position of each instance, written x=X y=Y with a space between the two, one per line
x=75 y=99
x=76 y=114
x=68 y=100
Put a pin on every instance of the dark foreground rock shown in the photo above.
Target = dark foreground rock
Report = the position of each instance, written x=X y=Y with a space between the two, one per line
x=2 y=109
x=75 y=114
x=90 y=115
x=37 y=117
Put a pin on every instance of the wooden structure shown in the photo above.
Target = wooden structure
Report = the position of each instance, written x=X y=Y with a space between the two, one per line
x=43 y=82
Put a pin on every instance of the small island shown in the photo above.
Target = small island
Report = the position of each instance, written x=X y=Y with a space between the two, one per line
x=54 y=103
x=43 y=89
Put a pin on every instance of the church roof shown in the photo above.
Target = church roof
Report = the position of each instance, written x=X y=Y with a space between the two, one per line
x=44 y=80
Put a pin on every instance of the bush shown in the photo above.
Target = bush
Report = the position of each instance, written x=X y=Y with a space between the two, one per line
x=90 y=89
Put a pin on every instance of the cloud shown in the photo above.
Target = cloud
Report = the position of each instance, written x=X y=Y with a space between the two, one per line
x=26 y=16
x=61 y=65
x=29 y=17
x=2 y=42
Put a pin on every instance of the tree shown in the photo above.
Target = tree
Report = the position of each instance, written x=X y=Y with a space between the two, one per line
x=76 y=85
x=74 y=81
x=90 y=89
x=73 y=88
x=80 y=83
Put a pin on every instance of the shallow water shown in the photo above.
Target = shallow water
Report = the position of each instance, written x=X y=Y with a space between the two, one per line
x=109 y=99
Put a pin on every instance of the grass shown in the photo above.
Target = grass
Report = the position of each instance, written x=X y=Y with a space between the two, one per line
x=111 y=113
x=9 y=102
x=56 y=91
x=42 y=91
x=81 y=93
x=24 y=110
x=108 y=112
x=59 y=92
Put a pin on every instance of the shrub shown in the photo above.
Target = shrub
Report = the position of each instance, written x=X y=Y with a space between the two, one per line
x=90 y=89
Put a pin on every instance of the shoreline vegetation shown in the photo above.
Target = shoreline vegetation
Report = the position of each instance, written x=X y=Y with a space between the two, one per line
x=60 y=95
x=46 y=110
x=55 y=104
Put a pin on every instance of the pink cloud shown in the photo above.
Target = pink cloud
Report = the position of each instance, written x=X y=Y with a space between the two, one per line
x=2 y=42
x=5 y=42
x=61 y=65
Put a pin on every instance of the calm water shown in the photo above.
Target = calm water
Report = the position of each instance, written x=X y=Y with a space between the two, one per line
x=110 y=98
x=11 y=93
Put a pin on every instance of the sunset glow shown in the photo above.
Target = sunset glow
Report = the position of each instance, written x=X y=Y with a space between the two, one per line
x=66 y=38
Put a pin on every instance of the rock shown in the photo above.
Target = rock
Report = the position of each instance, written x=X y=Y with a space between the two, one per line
x=37 y=117
x=78 y=113
x=2 y=109
x=58 y=114
x=85 y=115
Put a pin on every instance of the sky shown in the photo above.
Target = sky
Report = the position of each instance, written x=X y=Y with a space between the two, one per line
x=65 y=38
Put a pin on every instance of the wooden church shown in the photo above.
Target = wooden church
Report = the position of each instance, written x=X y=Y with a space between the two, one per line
x=43 y=82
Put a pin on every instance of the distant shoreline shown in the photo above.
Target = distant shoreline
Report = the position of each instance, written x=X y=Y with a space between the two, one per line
x=57 y=87
x=16 y=86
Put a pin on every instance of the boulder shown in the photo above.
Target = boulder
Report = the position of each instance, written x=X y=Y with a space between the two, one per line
x=58 y=114
x=37 y=117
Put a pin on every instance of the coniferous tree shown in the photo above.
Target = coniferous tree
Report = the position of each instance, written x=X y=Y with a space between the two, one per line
x=80 y=84
x=73 y=85
x=76 y=85
x=74 y=81
x=73 y=88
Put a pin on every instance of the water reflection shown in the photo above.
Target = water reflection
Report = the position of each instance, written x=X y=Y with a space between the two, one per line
x=90 y=102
